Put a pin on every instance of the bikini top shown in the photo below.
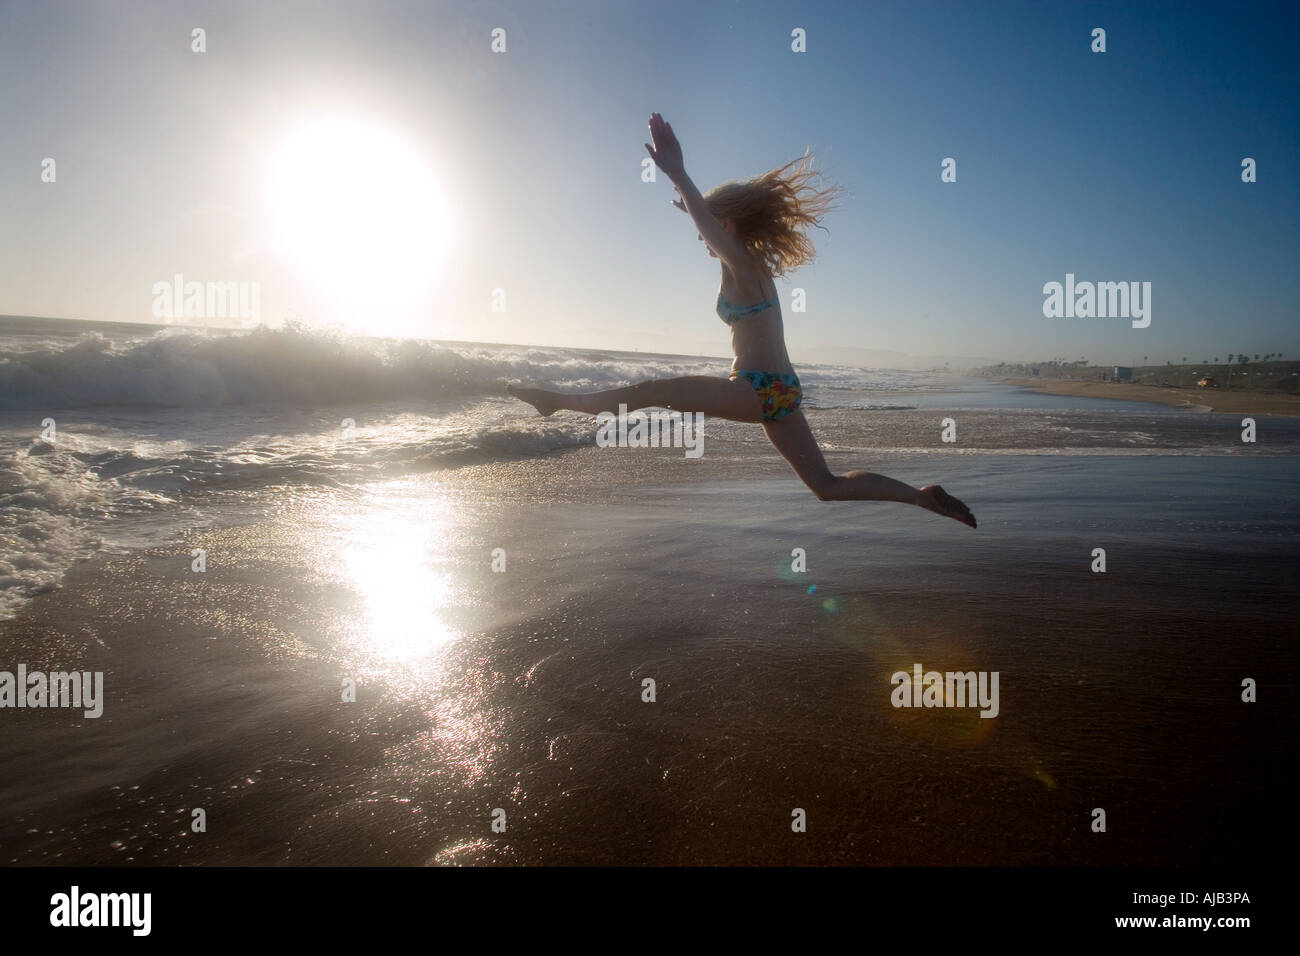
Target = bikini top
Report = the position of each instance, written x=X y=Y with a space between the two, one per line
x=734 y=313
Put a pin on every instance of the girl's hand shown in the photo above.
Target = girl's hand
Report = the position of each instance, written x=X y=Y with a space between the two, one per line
x=666 y=152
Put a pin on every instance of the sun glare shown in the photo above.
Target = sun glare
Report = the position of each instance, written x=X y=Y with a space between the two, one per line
x=359 y=212
x=389 y=555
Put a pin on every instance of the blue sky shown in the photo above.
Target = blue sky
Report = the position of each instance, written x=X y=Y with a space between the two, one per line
x=1122 y=166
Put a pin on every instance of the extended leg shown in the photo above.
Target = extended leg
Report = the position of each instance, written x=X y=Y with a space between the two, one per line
x=719 y=397
x=797 y=444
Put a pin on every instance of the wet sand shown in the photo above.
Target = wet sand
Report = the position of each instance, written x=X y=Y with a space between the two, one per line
x=1234 y=402
x=523 y=690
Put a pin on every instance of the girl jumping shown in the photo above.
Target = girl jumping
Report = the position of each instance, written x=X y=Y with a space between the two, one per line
x=754 y=229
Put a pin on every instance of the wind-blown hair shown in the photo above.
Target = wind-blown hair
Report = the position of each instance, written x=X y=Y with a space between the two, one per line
x=772 y=211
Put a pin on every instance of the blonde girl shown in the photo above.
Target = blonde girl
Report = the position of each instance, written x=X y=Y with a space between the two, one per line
x=756 y=229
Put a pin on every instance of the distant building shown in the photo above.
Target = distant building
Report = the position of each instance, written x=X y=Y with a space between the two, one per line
x=1123 y=373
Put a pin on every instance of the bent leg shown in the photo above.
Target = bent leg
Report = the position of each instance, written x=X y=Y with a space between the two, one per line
x=718 y=397
x=795 y=441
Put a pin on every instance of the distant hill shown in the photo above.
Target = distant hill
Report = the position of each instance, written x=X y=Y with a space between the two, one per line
x=884 y=358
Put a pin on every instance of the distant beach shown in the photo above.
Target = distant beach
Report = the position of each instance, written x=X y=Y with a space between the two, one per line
x=1241 y=401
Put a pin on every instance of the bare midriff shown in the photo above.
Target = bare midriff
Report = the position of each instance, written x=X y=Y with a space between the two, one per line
x=758 y=340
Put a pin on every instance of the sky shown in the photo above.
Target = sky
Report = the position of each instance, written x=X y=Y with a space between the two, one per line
x=378 y=166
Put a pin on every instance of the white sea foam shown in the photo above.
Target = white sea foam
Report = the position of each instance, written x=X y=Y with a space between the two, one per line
x=157 y=431
x=182 y=368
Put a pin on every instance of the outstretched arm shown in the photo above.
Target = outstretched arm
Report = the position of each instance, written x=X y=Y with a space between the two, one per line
x=667 y=154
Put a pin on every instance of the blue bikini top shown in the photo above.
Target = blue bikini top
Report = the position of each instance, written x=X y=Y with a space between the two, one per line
x=734 y=313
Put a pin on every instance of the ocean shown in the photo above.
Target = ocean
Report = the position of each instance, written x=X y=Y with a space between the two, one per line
x=155 y=431
x=498 y=589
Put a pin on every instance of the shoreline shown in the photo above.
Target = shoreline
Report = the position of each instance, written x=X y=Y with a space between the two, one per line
x=1213 y=400
x=522 y=689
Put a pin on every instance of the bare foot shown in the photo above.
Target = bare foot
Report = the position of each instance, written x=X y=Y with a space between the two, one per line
x=940 y=502
x=544 y=401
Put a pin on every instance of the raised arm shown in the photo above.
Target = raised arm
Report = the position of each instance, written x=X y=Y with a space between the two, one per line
x=667 y=154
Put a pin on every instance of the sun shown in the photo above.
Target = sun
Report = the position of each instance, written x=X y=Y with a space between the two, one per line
x=359 y=212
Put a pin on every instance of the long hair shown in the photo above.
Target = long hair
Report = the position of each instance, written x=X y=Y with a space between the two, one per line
x=772 y=211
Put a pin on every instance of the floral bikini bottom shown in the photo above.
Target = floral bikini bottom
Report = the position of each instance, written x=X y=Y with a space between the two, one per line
x=780 y=394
